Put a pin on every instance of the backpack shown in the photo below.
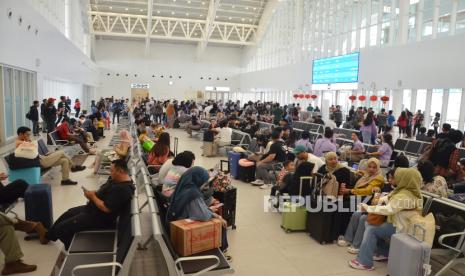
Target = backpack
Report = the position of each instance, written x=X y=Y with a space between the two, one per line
x=328 y=186
x=28 y=115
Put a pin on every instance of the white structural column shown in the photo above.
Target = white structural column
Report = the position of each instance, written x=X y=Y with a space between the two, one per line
x=350 y=14
x=445 y=104
x=397 y=100
x=462 y=111
x=368 y=24
x=149 y=26
x=453 y=17
x=299 y=13
x=413 y=100
x=327 y=18
x=404 y=6
x=429 y=95
x=214 y=4
x=392 y=20
x=342 y=27
x=380 y=24
x=434 y=34
x=358 y=22
x=419 y=19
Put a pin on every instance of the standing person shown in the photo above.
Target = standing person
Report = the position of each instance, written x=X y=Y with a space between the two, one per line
x=170 y=115
x=50 y=116
x=408 y=129
x=33 y=115
x=368 y=129
x=390 y=121
x=42 y=111
x=338 y=116
x=418 y=122
x=158 y=112
x=402 y=123
x=63 y=109
x=117 y=107
x=77 y=108
x=435 y=123
x=277 y=113
x=382 y=121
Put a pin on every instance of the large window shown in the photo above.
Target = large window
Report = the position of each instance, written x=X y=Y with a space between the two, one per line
x=421 y=100
x=436 y=102
x=453 y=107
x=19 y=90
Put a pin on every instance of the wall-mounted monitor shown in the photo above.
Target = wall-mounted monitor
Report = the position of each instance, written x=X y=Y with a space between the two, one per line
x=334 y=71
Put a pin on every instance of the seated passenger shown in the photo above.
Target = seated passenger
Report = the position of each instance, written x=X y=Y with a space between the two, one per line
x=421 y=136
x=325 y=144
x=65 y=134
x=74 y=128
x=445 y=155
x=402 y=204
x=193 y=125
x=371 y=178
x=292 y=181
x=384 y=151
x=102 y=209
x=302 y=155
x=121 y=150
x=160 y=151
x=187 y=201
x=180 y=164
x=224 y=134
x=86 y=124
x=305 y=141
x=11 y=192
x=334 y=167
x=57 y=158
x=434 y=184
x=288 y=168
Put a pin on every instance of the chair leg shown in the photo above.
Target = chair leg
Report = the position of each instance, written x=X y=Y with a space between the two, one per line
x=446 y=267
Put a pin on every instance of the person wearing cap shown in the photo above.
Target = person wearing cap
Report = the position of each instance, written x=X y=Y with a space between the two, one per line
x=50 y=115
x=302 y=155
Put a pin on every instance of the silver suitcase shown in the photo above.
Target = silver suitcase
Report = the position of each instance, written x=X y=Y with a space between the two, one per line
x=409 y=256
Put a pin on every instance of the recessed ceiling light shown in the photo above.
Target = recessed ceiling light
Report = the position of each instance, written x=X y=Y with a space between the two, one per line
x=158 y=11
x=201 y=15
x=187 y=14
x=174 y=0
x=140 y=30
x=111 y=8
x=126 y=9
x=156 y=31
x=216 y=16
x=250 y=19
x=195 y=34
x=243 y=19
x=172 y=13
x=203 y=3
x=230 y=18
x=141 y=10
x=189 y=1
x=255 y=8
x=246 y=8
x=233 y=6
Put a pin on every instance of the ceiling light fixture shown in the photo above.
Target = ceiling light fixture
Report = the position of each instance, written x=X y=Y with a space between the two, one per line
x=158 y=11
x=141 y=10
x=187 y=14
x=126 y=9
x=203 y=3
x=111 y=8
x=243 y=19
x=246 y=8
x=188 y=2
x=172 y=13
x=233 y=6
x=230 y=18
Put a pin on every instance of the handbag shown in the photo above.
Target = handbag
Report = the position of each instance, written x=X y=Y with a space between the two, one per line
x=148 y=145
x=28 y=150
x=376 y=220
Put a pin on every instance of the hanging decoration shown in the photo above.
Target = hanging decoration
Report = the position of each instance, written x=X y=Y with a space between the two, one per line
x=385 y=99
x=352 y=98
x=362 y=98
x=296 y=96
x=301 y=96
x=308 y=96
x=373 y=98
x=314 y=97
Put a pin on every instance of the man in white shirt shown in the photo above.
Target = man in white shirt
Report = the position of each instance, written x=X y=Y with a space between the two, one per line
x=224 y=134
x=302 y=155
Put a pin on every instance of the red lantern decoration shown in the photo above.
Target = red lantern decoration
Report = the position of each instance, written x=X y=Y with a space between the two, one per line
x=362 y=98
x=308 y=96
x=385 y=99
x=373 y=98
x=314 y=97
x=352 y=98
x=296 y=96
x=301 y=96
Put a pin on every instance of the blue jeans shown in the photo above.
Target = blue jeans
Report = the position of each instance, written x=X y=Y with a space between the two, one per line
x=356 y=229
x=375 y=240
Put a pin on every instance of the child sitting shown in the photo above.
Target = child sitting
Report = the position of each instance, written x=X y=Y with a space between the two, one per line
x=288 y=167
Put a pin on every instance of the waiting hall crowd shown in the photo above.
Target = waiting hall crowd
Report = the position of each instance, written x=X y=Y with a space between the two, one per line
x=277 y=157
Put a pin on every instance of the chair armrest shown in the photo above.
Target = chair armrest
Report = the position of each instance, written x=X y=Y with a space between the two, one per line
x=179 y=272
x=442 y=237
x=65 y=142
x=86 y=266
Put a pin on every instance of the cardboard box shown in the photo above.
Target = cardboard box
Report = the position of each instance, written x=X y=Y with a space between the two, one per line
x=190 y=237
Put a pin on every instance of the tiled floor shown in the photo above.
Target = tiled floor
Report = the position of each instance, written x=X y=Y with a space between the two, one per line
x=258 y=246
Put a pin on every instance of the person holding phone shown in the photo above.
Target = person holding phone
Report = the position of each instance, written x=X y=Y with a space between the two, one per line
x=102 y=209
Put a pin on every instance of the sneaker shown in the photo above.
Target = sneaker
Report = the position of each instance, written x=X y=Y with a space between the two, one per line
x=266 y=186
x=353 y=250
x=342 y=242
x=379 y=258
x=356 y=265
x=68 y=182
x=257 y=182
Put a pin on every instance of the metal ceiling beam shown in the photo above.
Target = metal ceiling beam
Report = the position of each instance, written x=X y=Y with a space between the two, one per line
x=214 y=4
x=149 y=27
x=135 y=26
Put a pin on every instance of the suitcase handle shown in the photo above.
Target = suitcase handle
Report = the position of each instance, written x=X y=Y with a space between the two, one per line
x=423 y=232
x=302 y=178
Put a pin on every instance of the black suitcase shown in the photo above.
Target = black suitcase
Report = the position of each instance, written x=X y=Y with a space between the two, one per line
x=246 y=174
x=228 y=198
x=38 y=204
x=320 y=225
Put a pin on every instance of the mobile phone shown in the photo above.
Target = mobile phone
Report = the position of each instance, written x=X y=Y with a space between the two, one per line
x=83 y=188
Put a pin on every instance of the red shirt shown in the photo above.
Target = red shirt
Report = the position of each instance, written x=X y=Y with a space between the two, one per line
x=63 y=131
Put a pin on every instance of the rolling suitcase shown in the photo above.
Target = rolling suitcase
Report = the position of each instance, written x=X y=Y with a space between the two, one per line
x=246 y=173
x=38 y=204
x=409 y=255
x=294 y=217
x=233 y=158
x=228 y=198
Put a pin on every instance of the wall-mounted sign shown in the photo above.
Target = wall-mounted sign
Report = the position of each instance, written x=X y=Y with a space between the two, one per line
x=140 y=85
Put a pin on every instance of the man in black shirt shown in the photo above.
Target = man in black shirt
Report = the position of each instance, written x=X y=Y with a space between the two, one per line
x=275 y=155
x=101 y=211
x=63 y=109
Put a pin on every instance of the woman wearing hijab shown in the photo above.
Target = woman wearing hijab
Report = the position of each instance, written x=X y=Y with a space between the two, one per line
x=121 y=150
x=432 y=183
x=401 y=205
x=187 y=201
x=292 y=181
x=334 y=167
x=372 y=179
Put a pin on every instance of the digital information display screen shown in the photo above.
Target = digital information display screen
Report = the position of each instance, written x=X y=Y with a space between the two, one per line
x=340 y=69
